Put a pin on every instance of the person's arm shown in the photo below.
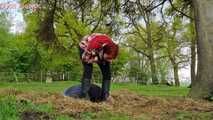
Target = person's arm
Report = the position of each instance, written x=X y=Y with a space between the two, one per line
x=90 y=57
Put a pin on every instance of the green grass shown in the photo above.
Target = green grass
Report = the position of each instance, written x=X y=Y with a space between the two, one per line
x=11 y=109
x=8 y=109
x=148 y=90
x=193 y=115
x=153 y=90
x=104 y=115
x=40 y=87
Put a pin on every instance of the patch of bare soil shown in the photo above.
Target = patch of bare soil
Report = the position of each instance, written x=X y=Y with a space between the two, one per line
x=122 y=101
x=32 y=115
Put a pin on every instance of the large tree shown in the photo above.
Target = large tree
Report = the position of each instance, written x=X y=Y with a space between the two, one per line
x=203 y=86
x=141 y=15
x=175 y=45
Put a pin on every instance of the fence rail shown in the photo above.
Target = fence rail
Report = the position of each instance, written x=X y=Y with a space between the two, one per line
x=37 y=76
x=42 y=76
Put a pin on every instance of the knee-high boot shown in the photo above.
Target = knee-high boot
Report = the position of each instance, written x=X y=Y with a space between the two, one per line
x=105 y=89
x=85 y=86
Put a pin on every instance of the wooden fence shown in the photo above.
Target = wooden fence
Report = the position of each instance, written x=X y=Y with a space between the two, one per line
x=42 y=76
x=37 y=76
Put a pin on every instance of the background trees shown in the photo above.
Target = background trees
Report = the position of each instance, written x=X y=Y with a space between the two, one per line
x=156 y=37
x=50 y=40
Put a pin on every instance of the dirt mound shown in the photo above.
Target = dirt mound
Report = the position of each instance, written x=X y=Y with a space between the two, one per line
x=122 y=101
x=32 y=115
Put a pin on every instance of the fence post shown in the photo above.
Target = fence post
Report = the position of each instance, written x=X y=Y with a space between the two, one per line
x=49 y=78
x=63 y=76
x=29 y=77
x=68 y=76
x=41 y=76
x=16 y=79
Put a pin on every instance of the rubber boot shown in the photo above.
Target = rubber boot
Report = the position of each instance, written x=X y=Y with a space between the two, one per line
x=105 y=89
x=85 y=86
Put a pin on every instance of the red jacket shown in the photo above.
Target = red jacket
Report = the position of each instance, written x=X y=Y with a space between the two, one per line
x=99 y=43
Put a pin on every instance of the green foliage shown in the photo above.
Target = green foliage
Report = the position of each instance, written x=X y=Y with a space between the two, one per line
x=22 y=55
x=25 y=53
x=4 y=23
x=118 y=66
x=71 y=26
x=5 y=41
x=141 y=46
x=138 y=71
x=162 y=66
x=189 y=34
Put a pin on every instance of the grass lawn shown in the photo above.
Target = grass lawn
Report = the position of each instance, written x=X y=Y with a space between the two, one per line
x=148 y=90
x=11 y=109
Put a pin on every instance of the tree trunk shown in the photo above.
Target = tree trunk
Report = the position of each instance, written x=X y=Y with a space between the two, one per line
x=153 y=71
x=175 y=70
x=193 y=60
x=176 y=76
x=193 y=50
x=203 y=86
x=151 y=53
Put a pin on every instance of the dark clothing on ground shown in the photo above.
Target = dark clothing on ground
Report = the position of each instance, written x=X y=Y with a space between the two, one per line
x=94 y=92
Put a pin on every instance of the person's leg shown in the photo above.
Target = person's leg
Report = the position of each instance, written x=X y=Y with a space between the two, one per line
x=106 y=74
x=86 y=79
x=87 y=76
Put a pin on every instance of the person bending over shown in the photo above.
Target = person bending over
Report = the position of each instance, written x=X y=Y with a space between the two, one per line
x=97 y=48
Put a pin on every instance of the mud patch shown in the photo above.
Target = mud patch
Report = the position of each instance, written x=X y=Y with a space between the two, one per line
x=33 y=115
